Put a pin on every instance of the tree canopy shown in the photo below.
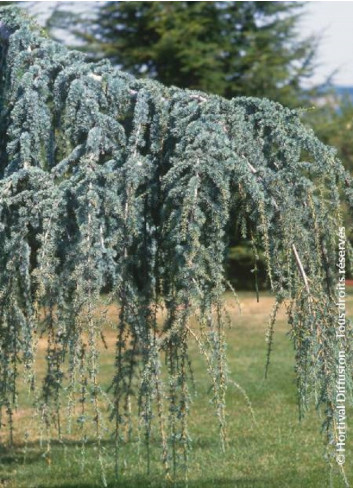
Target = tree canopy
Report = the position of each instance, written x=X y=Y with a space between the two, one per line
x=115 y=184
x=228 y=48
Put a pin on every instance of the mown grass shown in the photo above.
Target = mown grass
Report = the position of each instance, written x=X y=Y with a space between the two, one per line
x=276 y=451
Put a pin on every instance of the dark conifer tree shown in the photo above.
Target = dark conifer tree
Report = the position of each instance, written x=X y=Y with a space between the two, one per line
x=227 y=48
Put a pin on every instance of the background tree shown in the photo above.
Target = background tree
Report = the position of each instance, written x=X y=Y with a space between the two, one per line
x=227 y=48
x=333 y=121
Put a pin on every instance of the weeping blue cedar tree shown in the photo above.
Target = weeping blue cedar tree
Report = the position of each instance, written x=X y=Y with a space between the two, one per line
x=110 y=183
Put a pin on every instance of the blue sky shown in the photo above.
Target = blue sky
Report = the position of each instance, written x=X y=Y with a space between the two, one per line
x=333 y=20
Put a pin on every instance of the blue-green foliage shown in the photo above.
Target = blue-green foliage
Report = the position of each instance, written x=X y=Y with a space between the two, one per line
x=123 y=186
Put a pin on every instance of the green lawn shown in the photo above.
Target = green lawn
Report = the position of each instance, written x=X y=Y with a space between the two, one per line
x=277 y=451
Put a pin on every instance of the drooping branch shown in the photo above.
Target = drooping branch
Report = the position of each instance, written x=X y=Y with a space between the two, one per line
x=301 y=269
